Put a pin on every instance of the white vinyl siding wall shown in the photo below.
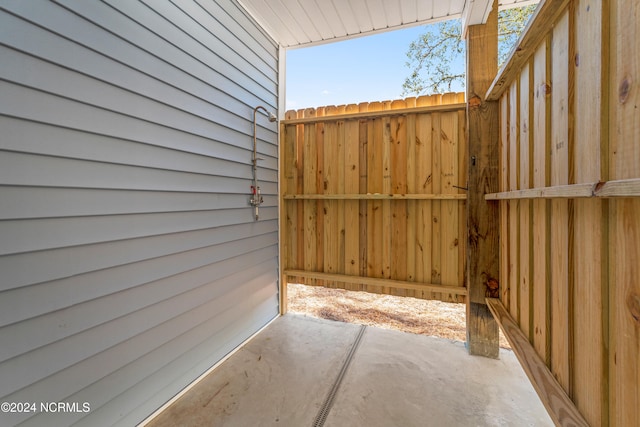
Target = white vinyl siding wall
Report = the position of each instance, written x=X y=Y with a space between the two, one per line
x=130 y=262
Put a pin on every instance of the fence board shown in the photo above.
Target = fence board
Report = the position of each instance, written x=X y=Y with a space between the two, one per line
x=436 y=206
x=319 y=188
x=367 y=184
x=331 y=182
x=399 y=174
x=449 y=143
x=514 y=205
x=524 y=178
x=560 y=334
x=424 y=179
x=504 y=205
x=624 y=220
x=589 y=311
x=375 y=182
x=309 y=153
x=541 y=136
x=351 y=186
x=412 y=205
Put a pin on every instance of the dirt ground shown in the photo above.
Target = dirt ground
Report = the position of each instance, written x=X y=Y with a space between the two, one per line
x=433 y=318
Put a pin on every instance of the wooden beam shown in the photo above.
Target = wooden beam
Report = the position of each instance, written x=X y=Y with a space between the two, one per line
x=561 y=409
x=374 y=281
x=482 y=217
x=618 y=188
x=555 y=192
x=623 y=188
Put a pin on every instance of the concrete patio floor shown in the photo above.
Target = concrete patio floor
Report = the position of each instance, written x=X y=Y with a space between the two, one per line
x=283 y=376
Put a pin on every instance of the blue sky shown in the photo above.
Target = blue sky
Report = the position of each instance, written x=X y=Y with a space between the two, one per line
x=370 y=68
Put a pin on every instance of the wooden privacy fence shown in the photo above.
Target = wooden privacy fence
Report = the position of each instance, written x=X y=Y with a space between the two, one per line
x=570 y=209
x=372 y=197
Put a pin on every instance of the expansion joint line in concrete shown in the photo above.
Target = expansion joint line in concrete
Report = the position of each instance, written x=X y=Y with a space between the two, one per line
x=328 y=401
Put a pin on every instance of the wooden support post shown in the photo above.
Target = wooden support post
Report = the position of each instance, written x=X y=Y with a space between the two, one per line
x=482 y=216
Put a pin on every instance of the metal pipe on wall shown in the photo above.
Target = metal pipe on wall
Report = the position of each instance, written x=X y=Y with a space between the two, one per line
x=256 y=196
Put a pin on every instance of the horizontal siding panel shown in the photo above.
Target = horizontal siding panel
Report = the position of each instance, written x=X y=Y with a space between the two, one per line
x=185 y=113
x=35 y=170
x=114 y=30
x=42 y=202
x=28 y=103
x=55 y=325
x=24 y=303
x=168 y=84
x=238 y=22
x=159 y=37
x=65 y=262
x=179 y=42
x=108 y=98
x=211 y=35
x=51 y=233
x=35 y=365
x=28 y=137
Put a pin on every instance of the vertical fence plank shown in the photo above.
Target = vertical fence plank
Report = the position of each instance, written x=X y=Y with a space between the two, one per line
x=351 y=186
x=330 y=185
x=525 y=288
x=310 y=154
x=300 y=204
x=449 y=208
x=319 y=189
x=514 y=229
x=624 y=163
x=624 y=248
x=541 y=135
x=289 y=187
x=589 y=306
x=450 y=243
x=341 y=150
x=560 y=335
x=436 y=205
x=398 y=164
x=424 y=185
x=375 y=180
x=386 y=204
x=363 y=128
x=462 y=178
x=505 y=231
x=412 y=205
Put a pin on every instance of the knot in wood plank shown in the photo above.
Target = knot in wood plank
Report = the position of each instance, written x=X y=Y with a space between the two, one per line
x=633 y=304
x=474 y=102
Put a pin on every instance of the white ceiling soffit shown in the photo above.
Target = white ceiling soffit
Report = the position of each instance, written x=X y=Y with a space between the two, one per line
x=298 y=23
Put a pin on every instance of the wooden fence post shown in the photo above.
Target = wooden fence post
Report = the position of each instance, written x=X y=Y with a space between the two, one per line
x=482 y=216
